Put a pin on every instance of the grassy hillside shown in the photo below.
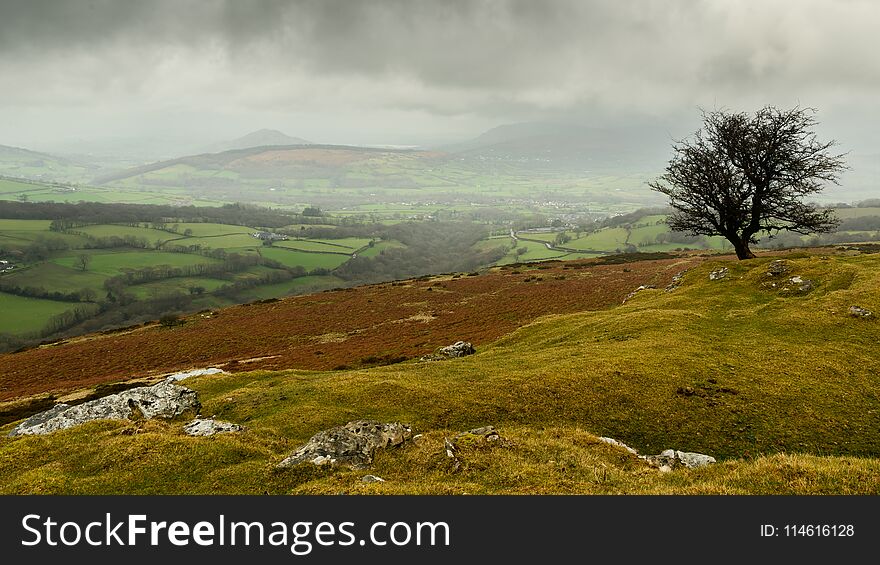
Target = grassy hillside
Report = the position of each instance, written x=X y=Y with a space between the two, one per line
x=780 y=386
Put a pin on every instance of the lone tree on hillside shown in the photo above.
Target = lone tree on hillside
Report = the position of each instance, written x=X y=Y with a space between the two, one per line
x=743 y=174
x=81 y=262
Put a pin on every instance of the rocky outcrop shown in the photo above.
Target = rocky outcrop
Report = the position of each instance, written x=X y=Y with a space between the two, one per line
x=483 y=437
x=799 y=284
x=352 y=444
x=860 y=312
x=676 y=281
x=671 y=459
x=719 y=274
x=457 y=349
x=616 y=443
x=163 y=400
x=203 y=427
x=777 y=268
x=193 y=373
x=667 y=460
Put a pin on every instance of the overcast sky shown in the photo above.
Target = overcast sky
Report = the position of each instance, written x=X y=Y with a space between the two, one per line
x=419 y=72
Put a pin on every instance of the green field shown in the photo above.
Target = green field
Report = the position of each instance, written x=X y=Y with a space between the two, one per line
x=114 y=263
x=309 y=261
x=22 y=315
x=24 y=225
x=180 y=285
x=56 y=277
x=379 y=247
x=208 y=229
x=110 y=230
x=227 y=241
x=314 y=245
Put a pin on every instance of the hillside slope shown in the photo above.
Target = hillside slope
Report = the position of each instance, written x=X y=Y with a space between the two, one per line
x=778 y=384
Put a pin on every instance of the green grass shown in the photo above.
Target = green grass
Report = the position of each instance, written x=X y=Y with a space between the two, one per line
x=22 y=315
x=106 y=230
x=175 y=285
x=24 y=225
x=209 y=230
x=379 y=247
x=55 y=277
x=227 y=241
x=114 y=263
x=309 y=261
x=312 y=245
x=782 y=388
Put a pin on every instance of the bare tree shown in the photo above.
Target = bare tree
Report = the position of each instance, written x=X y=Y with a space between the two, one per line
x=82 y=261
x=742 y=175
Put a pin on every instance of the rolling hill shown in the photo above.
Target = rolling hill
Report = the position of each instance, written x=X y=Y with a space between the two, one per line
x=775 y=382
x=259 y=138
x=33 y=165
x=564 y=146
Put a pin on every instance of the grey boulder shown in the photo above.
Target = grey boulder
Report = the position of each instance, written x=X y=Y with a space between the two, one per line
x=457 y=349
x=671 y=459
x=719 y=274
x=203 y=427
x=352 y=444
x=860 y=312
x=163 y=400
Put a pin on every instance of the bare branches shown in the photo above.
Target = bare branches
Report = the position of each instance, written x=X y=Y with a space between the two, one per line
x=741 y=175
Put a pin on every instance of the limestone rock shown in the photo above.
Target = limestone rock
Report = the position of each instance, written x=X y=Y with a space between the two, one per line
x=671 y=459
x=163 y=400
x=719 y=274
x=667 y=460
x=486 y=436
x=352 y=444
x=457 y=349
x=860 y=312
x=776 y=268
x=208 y=426
x=372 y=479
x=676 y=281
x=801 y=284
x=616 y=443
x=193 y=373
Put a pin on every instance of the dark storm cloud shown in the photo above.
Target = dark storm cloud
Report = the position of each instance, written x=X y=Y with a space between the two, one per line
x=487 y=61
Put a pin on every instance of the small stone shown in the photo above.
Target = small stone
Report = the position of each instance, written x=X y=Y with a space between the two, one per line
x=676 y=281
x=719 y=274
x=372 y=479
x=204 y=427
x=616 y=443
x=777 y=267
x=860 y=312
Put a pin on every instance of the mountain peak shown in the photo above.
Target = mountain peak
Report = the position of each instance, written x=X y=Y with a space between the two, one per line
x=258 y=138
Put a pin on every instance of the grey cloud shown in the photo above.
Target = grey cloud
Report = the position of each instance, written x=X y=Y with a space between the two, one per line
x=492 y=60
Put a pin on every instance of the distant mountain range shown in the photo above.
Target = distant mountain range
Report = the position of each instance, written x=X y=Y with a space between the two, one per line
x=565 y=146
x=259 y=138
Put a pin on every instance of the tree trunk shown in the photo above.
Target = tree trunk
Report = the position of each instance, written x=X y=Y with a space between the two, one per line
x=741 y=246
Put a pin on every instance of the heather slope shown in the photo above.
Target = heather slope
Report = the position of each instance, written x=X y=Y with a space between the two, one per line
x=779 y=385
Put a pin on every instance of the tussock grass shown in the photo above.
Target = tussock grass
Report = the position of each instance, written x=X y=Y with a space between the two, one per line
x=781 y=387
